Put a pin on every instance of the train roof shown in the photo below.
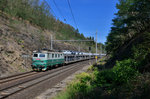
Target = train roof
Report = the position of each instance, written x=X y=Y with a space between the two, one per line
x=44 y=51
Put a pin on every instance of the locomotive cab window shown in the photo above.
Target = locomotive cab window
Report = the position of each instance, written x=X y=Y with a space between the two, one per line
x=55 y=55
x=52 y=55
x=35 y=55
x=42 y=55
x=48 y=55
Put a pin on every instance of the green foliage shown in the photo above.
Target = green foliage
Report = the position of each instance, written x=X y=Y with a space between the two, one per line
x=130 y=29
x=79 y=88
x=121 y=74
x=82 y=86
x=104 y=78
x=142 y=55
x=84 y=77
x=124 y=71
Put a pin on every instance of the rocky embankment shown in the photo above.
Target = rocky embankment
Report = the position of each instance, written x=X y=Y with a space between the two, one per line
x=18 y=37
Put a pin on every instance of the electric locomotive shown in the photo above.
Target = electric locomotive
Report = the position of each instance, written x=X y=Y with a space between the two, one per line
x=43 y=60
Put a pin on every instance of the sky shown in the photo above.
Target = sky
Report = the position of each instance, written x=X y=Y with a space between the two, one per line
x=90 y=16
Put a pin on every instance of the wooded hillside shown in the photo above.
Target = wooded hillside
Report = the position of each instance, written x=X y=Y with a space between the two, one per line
x=38 y=12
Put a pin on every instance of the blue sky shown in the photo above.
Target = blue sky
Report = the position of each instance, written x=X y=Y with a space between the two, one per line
x=90 y=15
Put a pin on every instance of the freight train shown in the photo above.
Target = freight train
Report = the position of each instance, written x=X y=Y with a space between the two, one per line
x=45 y=59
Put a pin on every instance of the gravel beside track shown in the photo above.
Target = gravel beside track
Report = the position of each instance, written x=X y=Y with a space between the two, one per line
x=32 y=86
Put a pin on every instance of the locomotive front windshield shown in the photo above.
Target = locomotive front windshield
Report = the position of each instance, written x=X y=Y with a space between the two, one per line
x=35 y=55
x=42 y=55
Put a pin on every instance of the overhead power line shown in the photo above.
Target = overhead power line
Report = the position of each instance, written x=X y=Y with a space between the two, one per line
x=59 y=10
x=48 y=4
x=72 y=13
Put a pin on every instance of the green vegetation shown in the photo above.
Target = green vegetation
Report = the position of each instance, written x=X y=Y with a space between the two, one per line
x=130 y=34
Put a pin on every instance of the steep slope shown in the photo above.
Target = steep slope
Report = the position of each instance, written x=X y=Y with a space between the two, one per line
x=18 y=37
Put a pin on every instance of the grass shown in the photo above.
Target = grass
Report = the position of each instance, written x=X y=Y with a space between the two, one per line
x=79 y=87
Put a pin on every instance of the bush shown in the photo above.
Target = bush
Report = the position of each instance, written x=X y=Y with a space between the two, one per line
x=124 y=71
x=103 y=78
x=84 y=77
x=78 y=88
x=121 y=74
x=141 y=53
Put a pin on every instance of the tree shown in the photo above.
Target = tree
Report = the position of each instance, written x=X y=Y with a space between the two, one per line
x=130 y=28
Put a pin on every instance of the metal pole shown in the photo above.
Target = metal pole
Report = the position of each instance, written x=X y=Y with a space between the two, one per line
x=51 y=42
x=79 y=47
x=101 y=50
x=96 y=46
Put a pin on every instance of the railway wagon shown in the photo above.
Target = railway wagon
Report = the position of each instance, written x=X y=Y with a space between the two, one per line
x=44 y=60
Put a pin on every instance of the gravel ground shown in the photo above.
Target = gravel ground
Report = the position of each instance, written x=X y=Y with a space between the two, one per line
x=50 y=93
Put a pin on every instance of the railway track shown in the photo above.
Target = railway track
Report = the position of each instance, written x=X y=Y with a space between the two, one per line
x=16 y=84
x=15 y=77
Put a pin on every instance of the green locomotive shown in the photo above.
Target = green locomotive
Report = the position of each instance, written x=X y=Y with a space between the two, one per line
x=44 y=60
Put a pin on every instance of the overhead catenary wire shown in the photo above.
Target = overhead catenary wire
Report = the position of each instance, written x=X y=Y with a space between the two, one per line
x=48 y=4
x=72 y=13
x=59 y=10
